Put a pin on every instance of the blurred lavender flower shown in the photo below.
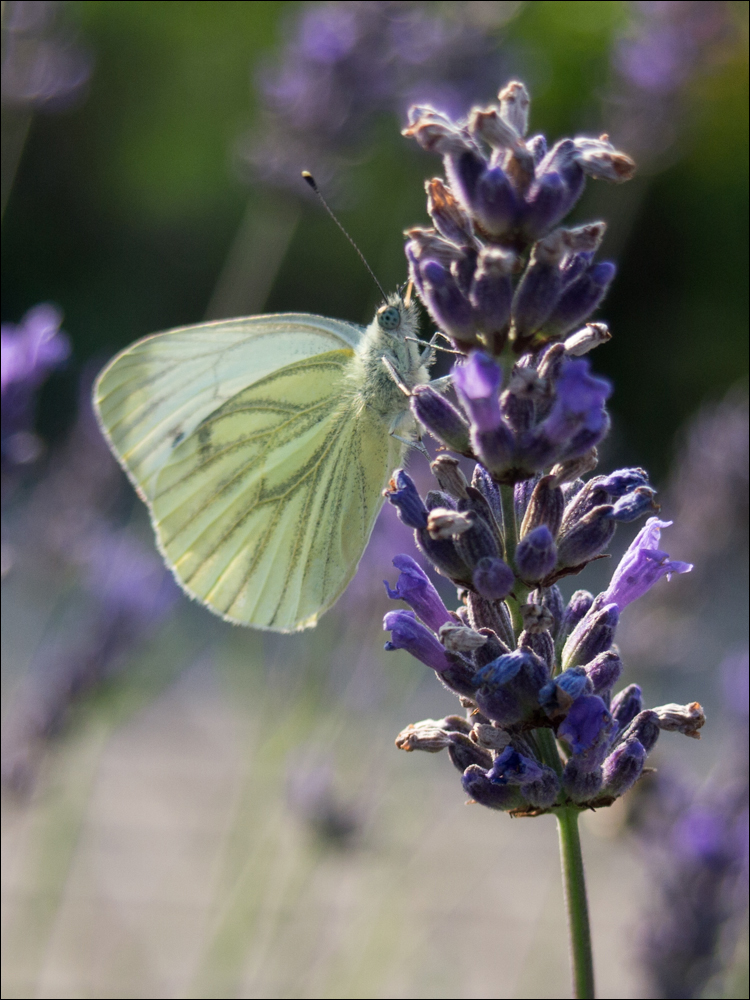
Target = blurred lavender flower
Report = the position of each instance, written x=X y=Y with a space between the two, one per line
x=543 y=730
x=695 y=844
x=29 y=352
x=707 y=492
x=312 y=795
x=44 y=66
x=347 y=63
x=70 y=530
x=663 y=46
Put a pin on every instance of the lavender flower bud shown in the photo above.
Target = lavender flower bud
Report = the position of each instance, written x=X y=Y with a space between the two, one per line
x=579 y=401
x=579 y=299
x=545 y=507
x=494 y=206
x=558 y=695
x=645 y=728
x=623 y=768
x=444 y=522
x=623 y=481
x=685 y=719
x=430 y=735
x=536 y=555
x=634 y=505
x=536 y=618
x=581 y=784
x=514 y=106
x=593 y=635
x=558 y=186
x=519 y=402
x=513 y=768
x=491 y=291
x=508 y=688
x=460 y=638
x=491 y=650
x=490 y=736
x=415 y=588
x=464 y=753
x=573 y=468
x=586 y=722
x=442 y=554
x=409 y=634
x=478 y=542
x=585 y=340
x=587 y=539
x=436 y=498
x=441 y=418
x=604 y=672
x=451 y=479
x=478 y=786
x=483 y=481
x=600 y=160
x=490 y=614
x=551 y=600
x=537 y=294
x=537 y=146
x=578 y=606
x=477 y=383
x=493 y=578
x=445 y=301
x=449 y=218
x=403 y=494
x=626 y=705
x=540 y=643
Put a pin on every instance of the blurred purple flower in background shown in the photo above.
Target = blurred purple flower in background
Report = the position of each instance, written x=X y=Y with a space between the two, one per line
x=44 y=65
x=69 y=529
x=695 y=844
x=347 y=63
x=662 y=48
x=29 y=352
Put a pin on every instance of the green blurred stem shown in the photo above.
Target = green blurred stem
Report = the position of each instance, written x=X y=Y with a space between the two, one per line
x=576 y=904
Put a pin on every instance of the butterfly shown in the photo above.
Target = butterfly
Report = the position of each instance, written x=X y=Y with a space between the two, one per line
x=261 y=447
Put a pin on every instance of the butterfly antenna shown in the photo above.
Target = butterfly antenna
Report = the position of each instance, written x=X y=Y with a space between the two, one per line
x=308 y=177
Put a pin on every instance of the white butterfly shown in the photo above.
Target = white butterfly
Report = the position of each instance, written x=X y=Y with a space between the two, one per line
x=261 y=447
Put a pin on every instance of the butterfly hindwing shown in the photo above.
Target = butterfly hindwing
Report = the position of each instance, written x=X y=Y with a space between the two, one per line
x=265 y=509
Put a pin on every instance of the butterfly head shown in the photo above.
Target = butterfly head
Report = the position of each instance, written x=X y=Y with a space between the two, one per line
x=389 y=317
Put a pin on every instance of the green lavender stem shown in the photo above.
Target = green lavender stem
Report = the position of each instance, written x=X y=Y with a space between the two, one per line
x=576 y=904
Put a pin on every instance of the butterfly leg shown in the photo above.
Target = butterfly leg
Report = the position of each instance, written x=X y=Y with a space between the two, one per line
x=415 y=441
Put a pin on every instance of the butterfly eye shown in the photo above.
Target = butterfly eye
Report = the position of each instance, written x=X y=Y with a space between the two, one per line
x=389 y=318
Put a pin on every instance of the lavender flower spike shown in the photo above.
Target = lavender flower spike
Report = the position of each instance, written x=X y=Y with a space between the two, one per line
x=415 y=588
x=641 y=566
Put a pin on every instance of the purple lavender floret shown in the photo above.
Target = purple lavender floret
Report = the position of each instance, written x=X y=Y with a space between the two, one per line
x=415 y=588
x=642 y=566
x=510 y=289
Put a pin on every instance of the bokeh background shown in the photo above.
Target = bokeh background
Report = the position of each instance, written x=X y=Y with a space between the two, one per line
x=196 y=810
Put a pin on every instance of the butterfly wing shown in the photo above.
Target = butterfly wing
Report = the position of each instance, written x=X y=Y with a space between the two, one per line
x=154 y=394
x=264 y=507
x=265 y=510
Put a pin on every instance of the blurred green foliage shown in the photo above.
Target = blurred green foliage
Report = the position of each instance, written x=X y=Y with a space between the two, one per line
x=124 y=208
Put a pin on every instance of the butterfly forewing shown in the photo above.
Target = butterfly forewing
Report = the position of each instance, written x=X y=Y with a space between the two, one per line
x=153 y=395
